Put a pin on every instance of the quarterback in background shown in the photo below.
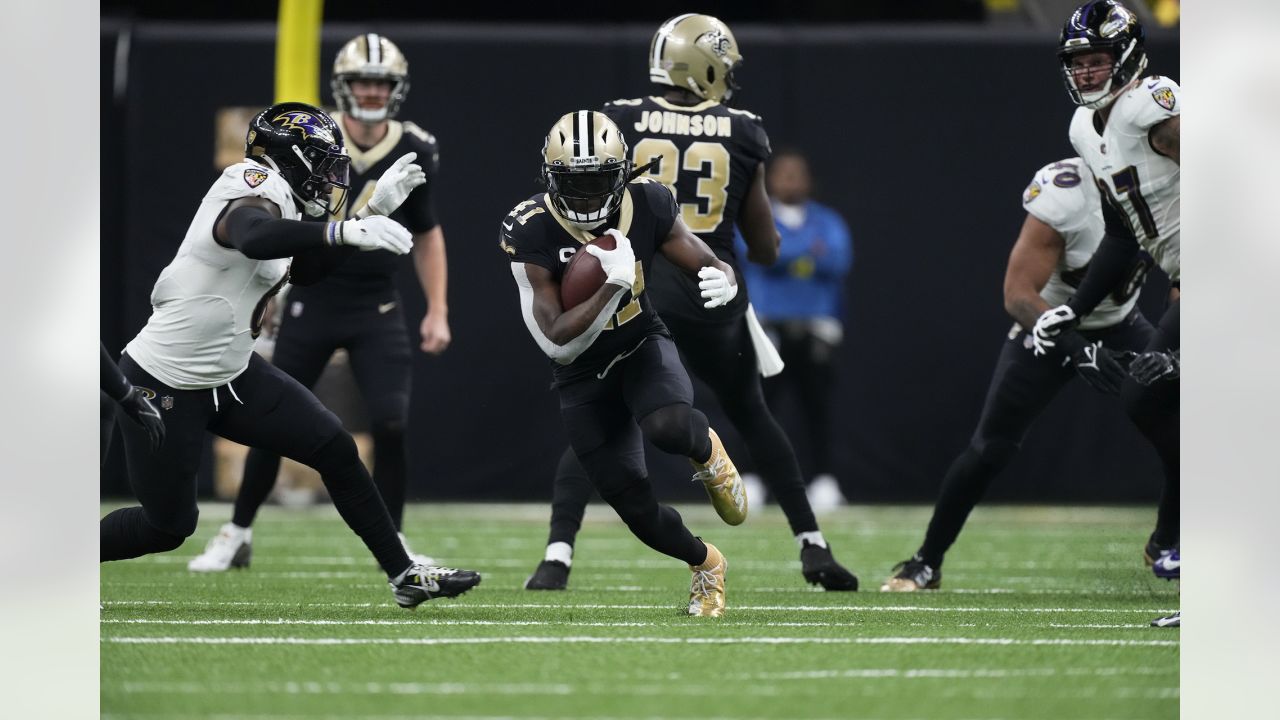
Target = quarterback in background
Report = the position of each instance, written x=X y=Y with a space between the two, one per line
x=712 y=158
x=357 y=307
x=616 y=369
x=1127 y=129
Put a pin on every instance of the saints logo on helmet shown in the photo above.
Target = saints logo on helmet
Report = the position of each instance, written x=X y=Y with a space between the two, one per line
x=585 y=167
x=696 y=53
x=369 y=57
x=1103 y=26
x=305 y=146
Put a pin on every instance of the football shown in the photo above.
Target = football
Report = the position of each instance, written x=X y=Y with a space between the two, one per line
x=584 y=276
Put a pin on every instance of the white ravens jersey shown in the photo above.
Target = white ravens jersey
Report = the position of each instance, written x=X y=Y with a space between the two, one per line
x=1142 y=182
x=1064 y=197
x=207 y=304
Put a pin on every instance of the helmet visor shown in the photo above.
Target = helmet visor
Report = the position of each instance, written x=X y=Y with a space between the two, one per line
x=585 y=191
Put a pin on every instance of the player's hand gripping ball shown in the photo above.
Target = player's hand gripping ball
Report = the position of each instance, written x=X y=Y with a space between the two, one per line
x=608 y=258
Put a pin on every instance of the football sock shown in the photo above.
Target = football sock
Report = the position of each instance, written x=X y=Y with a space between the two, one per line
x=813 y=537
x=560 y=552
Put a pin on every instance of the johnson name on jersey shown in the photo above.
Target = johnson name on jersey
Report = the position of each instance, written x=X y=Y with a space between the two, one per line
x=534 y=233
x=207 y=304
x=1139 y=181
x=367 y=272
x=1063 y=196
x=709 y=151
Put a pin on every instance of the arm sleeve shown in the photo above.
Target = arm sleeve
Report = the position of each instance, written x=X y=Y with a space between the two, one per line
x=568 y=352
x=113 y=382
x=311 y=266
x=262 y=236
x=1107 y=270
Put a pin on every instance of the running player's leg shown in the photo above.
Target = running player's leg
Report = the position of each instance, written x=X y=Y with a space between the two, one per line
x=723 y=357
x=381 y=362
x=1021 y=386
x=302 y=350
x=164 y=481
x=264 y=407
x=570 y=493
x=1155 y=410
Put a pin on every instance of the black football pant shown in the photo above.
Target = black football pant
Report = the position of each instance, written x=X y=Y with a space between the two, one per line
x=1020 y=389
x=646 y=395
x=722 y=356
x=372 y=331
x=811 y=375
x=1156 y=410
x=262 y=407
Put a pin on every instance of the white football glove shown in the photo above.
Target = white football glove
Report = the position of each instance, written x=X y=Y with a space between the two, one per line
x=619 y=264
x=1049 y=325
x=372 y=233
x=716 y=287
x=394 y=186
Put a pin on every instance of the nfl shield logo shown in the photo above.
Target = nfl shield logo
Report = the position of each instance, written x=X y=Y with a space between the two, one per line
x=166 y=402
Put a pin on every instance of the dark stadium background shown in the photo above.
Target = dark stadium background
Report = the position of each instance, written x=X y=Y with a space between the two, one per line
x=923 y=122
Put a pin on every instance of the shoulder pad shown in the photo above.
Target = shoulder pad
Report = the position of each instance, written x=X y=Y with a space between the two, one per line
x=1058 y=194
x=631 y=103
x=1152 y=100
x=745 y=113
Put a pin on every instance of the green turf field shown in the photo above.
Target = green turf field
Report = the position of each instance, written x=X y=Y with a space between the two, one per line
x=1043 y=614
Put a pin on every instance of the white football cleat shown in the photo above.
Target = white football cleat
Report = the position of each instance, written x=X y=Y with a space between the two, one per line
x=232 y=547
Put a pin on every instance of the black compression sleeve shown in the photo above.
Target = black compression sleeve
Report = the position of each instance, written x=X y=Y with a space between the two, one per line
x=113 y=382
x=1108 y=269
x=260 y=235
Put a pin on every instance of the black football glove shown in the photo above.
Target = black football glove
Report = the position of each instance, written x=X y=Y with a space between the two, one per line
x=1103 y=368
x=137 y=406
x=1152 y=366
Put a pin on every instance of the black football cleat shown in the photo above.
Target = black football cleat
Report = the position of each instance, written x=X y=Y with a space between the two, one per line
x=819 y=567
x=421 y=583
x=550 y=575
x=912 y=575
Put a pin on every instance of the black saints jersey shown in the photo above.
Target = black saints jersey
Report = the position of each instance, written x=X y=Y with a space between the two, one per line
x=708 y=155
x=374 y=270
x=535 y=233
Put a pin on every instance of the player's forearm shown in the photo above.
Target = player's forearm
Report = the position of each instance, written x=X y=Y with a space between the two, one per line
x=586 y=320
x=763 y=247
x=1024 y=304
x=431 y=262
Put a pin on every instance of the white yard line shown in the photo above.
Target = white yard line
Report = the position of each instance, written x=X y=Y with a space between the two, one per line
x=463 y=605
x=596 y=640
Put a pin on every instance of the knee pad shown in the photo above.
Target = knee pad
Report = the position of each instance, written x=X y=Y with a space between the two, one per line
x=337 y=451
x=172 y=533
x=671 y=429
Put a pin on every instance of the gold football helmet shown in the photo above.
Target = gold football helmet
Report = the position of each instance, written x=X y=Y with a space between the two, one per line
x=369 y=57
x=585 y=167
x=696 y=53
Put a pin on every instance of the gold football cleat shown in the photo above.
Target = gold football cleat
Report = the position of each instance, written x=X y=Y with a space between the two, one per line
x=724 y=485
x=706 y=592
x=912 y=575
